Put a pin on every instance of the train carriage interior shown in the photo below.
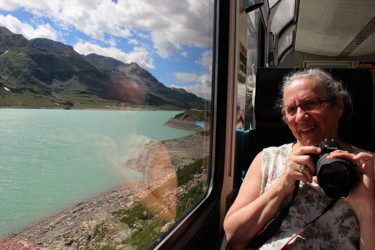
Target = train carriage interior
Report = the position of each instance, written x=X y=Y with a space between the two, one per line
x=337 y=36
x=255 y=43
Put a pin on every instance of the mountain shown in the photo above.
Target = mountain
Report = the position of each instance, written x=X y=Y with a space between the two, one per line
x=132 y=76
x=45 y=73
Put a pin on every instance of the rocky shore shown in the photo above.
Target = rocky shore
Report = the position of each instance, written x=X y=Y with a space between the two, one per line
x=159 y=160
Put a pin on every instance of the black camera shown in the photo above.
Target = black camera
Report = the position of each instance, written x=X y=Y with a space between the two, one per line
x=336 y=176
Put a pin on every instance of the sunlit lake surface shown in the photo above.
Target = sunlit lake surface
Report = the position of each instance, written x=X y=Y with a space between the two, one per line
x=53 y=159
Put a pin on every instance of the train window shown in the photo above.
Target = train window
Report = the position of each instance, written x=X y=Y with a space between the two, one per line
x=105 y=120
x=272 y=3
x=253 y=26
x=285 y=12
x=285 y=44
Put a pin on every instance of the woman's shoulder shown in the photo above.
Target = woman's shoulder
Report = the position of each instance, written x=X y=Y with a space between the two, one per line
x=357 y=150
x=284 y=149
x=273 y=162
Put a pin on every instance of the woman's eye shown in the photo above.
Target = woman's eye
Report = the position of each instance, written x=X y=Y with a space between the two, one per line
x=310 y=104
x=292 y=110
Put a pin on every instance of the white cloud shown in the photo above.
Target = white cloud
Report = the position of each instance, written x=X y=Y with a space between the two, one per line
x=133 y=41
x=164 y=45
x=183 y=77
x=112 y=42
x=201 y=83
x=10 y=5
x=206 y=60
x=43 y=31
x=139 y=54
x=184 y=53
x=171 y=23
x=186 y=23
x=202 y=86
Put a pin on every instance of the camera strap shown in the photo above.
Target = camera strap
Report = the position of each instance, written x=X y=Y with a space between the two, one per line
x=329 y=206
x=274 y=225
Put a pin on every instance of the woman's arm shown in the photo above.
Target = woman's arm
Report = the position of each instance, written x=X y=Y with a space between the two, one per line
x=362 y=199
x=251 y=212
x=362 y=195
x=367 y=227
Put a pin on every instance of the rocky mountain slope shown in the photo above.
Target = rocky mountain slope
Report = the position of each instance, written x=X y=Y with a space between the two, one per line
x=45 y=73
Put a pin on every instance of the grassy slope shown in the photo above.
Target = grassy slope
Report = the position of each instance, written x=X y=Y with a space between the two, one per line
x=143 y=224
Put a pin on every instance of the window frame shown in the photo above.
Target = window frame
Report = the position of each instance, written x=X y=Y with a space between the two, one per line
x=206 y=214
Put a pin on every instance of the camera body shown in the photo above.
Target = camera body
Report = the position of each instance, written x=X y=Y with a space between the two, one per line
x=336 y=176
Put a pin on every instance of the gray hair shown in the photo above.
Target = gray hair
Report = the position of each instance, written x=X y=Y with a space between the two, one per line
x=332 y=87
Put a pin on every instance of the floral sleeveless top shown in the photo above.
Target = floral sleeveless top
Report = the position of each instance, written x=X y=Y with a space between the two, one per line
x=336 y=229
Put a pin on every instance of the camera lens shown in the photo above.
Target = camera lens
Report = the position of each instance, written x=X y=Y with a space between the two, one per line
x=335 y=176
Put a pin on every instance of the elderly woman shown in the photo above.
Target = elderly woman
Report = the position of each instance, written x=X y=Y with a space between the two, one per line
x=312 y=104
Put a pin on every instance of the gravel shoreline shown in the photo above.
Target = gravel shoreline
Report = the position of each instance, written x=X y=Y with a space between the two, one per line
x=158 y=159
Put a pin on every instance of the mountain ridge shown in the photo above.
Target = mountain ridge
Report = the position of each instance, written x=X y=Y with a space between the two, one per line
x=44 y=73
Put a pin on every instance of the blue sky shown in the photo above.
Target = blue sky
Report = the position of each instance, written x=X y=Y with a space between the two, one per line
x=171 y=39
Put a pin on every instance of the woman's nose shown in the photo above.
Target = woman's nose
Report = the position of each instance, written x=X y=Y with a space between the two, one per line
x=301 y=114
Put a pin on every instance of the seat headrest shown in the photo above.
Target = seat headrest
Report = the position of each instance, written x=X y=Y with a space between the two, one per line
x=268 y=81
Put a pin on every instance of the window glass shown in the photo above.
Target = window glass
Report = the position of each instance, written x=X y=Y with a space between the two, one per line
x=286 y=43
x=284 y=14
x=253 y=19
x=105 y=120
x=272 y=2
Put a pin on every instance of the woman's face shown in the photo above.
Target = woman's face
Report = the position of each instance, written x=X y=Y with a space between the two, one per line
x=311 y=127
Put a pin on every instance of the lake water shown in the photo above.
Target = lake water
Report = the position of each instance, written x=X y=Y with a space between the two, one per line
x=53 y=159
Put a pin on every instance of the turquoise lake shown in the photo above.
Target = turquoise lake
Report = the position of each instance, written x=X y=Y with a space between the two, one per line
x=53 y=159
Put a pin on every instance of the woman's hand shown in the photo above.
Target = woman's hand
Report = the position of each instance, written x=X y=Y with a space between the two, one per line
x=362 y=195
x=364 y=190
x=299 y=166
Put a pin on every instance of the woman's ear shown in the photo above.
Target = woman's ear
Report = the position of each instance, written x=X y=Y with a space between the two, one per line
x=340 y=105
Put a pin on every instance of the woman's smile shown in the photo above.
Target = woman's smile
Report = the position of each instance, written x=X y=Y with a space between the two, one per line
x=309 y=129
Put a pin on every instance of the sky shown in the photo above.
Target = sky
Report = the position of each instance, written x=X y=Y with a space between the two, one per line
x=171 y=39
